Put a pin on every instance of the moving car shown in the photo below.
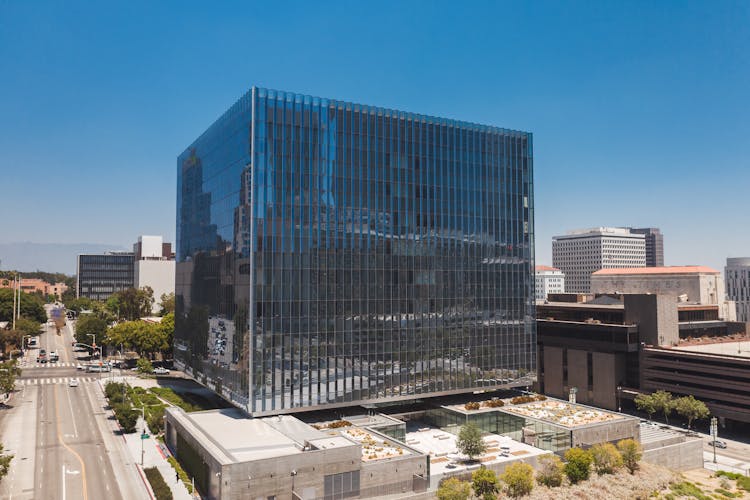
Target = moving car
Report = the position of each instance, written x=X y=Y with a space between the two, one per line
x=73 y=382
x=161 y=371
x=718 y=444
x=42 y=357
x=53 y=357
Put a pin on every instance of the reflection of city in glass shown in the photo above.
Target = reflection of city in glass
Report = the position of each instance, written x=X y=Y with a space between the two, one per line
x=334 y=253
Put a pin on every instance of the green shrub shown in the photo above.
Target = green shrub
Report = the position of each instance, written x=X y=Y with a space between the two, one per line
x=687 y=489
x=631 y=453
x=484 y=483
x=168 y=394
x=494 y=403
x=743 y=482
x=727 y=494
x=577 y=465
x=518 y=400
x=155 y=419
x=519 y=479
x=606 y=458
x=453 y=489
x=161 y=490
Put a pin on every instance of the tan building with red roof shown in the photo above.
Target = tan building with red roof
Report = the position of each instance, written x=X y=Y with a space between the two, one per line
x=688 y=284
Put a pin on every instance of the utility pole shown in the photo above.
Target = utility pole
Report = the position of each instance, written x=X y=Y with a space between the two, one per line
x=14 y=302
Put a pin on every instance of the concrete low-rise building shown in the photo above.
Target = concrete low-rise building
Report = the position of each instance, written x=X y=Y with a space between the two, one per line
x=233 y=456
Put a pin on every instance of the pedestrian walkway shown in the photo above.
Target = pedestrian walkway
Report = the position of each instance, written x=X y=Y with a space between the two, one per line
x=149 y=453
x=54 y=380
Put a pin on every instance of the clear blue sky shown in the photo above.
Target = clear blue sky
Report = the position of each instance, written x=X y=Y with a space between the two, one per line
x=640 y=110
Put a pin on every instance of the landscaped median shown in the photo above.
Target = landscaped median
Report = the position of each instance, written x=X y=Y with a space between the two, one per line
x=127 y=401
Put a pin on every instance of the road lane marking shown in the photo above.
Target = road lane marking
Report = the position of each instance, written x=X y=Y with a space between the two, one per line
x=73 y=417
x=63 y=481
x=62 y=442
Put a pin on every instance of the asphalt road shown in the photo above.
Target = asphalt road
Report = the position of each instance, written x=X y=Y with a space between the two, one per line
x=60 y=435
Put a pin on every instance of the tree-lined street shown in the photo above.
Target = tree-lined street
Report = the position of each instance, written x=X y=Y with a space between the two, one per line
x=64 y=443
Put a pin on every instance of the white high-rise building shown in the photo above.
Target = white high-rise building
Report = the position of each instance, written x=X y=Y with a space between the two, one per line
x=737 y=279
x=579 y=253
x=548 y=280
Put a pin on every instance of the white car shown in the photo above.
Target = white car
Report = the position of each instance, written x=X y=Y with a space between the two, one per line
x=73 y=382
x=79 y=366
x=161 y=371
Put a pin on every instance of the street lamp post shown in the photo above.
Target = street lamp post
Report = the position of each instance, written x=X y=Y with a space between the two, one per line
x=714 y=434
x=619 y=399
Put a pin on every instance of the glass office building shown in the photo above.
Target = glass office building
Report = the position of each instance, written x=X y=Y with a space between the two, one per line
x=332 y=254
x=101 y=275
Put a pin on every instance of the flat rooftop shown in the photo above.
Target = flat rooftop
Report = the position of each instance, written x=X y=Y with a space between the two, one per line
x=562 y=413
x=444 y=455
x=239 y=438
x=738 y=348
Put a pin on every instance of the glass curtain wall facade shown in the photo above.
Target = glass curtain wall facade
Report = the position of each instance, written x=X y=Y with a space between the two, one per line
x=331 y=253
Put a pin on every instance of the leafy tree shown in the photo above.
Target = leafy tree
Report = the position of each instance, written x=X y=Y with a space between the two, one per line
x=28 y=326
x=4 y=462
x=144 y=365
x=470 y=441
x=79 y=304
x=134 y=303
x=645 y=402
x=606 y=458
x=126 y=416
x=90 y=324
x=167 y=303
x=519 y=479
x=690 y=408
x=550 y=471
x=484 y=483
x=69 y=294
x=454 y=489
x=167 y=332
x=32 y=306
x=112 y=305
x=577 y=465
x=663 y=403
x=631 y=453
x=10 y=340
x=9 y=371
x=146 y=338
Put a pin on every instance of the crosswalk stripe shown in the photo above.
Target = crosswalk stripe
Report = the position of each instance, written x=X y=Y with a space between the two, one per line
x=55 y=380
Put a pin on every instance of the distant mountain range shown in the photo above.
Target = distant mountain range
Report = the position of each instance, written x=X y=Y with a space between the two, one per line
x=49 y=257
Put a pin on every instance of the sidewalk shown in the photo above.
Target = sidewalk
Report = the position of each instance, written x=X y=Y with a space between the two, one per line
x=153 y=457
x=725 y=463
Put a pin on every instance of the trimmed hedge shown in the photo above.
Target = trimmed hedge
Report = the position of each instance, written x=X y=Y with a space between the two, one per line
x=161 y=490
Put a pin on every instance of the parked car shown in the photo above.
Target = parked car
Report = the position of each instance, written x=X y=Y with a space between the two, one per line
x=161 y=371
x=73 y=382
x=719 y=444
